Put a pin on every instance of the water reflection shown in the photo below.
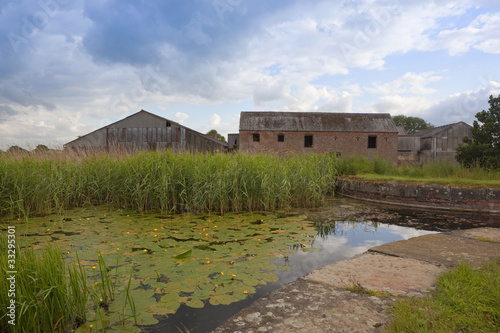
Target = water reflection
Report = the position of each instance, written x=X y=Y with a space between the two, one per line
x=339 y=241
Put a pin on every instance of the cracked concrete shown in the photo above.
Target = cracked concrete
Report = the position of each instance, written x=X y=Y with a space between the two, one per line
x=320 y=302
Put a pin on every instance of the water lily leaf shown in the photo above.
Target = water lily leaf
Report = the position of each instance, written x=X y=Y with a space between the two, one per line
x=171 y=302
x=125 y=328
x=184 y=254
x=202 y=294
x=146 y=318
x=195 y=303
x=224 y=299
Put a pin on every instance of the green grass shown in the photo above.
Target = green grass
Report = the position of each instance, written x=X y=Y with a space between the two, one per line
x=436 y=172
x=465 y=300
x=50 y=296
x=166 y=182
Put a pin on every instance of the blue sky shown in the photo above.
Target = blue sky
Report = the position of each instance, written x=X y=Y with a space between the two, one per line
x=68 y=67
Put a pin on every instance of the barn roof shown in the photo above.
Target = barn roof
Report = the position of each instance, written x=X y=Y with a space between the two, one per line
x=144 y=112
x=430 y=132
x=317 y=122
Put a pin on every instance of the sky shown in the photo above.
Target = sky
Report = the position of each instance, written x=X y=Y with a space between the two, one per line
x=69 y=67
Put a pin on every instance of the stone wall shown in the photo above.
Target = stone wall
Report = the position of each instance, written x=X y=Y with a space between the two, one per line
x=434 y=196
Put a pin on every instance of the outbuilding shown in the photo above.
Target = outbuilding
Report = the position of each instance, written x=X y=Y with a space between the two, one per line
x=344 y=134
x=145 y=130
x=437 y=143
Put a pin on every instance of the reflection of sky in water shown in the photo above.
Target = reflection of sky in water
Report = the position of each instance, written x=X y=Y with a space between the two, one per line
x=336 y=241
x=340 y=241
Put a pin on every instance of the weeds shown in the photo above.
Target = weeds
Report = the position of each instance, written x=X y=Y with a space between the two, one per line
x=50 y=296
x=435 y=172
x=466 y=300
x=359 y=289
x=54 y=296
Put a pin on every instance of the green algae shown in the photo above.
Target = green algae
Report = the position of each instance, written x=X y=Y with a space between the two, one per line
x=182 y=259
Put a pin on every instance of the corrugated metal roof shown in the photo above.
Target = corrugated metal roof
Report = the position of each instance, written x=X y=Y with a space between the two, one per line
x=144 y=112
x=430 y=132
x=317 y=122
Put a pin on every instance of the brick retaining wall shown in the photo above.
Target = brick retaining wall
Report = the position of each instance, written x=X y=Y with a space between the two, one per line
x=447 y=197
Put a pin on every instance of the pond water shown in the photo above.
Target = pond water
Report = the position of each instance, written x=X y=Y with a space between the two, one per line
x=192 y=272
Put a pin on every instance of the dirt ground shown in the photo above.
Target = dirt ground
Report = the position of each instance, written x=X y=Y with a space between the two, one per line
x=320 y=301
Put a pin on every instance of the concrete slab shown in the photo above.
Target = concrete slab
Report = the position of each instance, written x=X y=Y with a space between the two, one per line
x=481 y=234
x=306 y=306
x=382 y=273
x=319 y=302
x=443 y=249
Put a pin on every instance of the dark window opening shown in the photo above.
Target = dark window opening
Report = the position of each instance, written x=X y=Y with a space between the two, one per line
x=372 y=141
x=281 y=137
x=256 y=137
x=169 y=124
x=308 y=141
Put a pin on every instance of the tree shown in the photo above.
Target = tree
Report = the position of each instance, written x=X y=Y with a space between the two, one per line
x=483 y=149
x=213 y=133
x=411 y=124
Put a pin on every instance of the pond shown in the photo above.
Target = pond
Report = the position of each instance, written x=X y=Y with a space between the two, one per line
x=192 y=272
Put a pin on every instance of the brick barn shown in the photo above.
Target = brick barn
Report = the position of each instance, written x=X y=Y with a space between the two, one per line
x=364 y=134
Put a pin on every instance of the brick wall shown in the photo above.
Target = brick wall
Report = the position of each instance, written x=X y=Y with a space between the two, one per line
x=345 y=143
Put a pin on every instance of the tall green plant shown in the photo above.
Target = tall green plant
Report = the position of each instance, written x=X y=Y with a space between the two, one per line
x=49 y=295
x=166 y=182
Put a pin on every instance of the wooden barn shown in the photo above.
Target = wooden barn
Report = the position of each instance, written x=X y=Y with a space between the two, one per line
x=438 y=143
x=364 y=134
x=145 y=130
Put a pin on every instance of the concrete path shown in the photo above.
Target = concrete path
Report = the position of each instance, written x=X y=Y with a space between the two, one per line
x=320 y=302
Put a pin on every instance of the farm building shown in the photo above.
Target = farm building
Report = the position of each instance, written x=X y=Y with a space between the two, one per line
x=438 y=143
x=144 y=130
x=319 y=132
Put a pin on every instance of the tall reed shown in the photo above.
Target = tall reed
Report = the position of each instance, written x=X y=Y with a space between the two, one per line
x=164 y=181
x=49 y=294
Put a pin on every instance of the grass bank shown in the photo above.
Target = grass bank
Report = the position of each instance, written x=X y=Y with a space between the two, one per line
x=465 y=300
x=436 y=172
x=163 y=181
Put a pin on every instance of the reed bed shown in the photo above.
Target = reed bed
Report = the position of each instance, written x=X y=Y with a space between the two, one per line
x=164 y=181
x=51 y=296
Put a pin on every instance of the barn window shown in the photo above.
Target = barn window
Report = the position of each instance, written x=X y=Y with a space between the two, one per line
x=256 y=137
x=281 y=137
x=308 y=141
x=168 y=123
x=372 y=141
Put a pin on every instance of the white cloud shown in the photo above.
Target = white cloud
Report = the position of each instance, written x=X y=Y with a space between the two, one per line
x=481 y=33
x=408 y=83
x=317 y=98
x=462 y=106
x=396 y=104
x=180 y=117
x=214 y=120
x=275 y=57
x=489 y=46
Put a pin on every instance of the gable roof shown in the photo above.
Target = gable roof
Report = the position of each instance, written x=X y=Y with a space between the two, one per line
x=154 y=116
x=430 y=132
x=316 y=122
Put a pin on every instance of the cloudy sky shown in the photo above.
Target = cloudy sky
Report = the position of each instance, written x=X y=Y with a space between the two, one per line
x=68 y=67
